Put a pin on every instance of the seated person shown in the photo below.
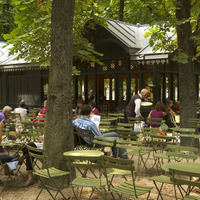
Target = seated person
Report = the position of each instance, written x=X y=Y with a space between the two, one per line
x=92 y=106
x=21 y=110
x=4 y=157
x=170 y=114
x=85 y=123
x=79 y=106
x=6 y=113
x=159 y=112
x=25 y=106
x=41 y=114
x=26 y=156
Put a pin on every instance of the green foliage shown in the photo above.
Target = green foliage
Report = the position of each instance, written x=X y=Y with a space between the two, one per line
x=7 y=12
x=31 y=37
x=181 y=58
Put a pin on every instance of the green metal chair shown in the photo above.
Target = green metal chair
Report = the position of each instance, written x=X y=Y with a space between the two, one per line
x=127 y=188
x=136 y=149
x=186 y=133
x=102 y=142
x=176 y=153
x=8 y=178
x=87 y=134
x=155 y=121
x=125 y=131
x=180 y=178
x=49 y=173
x=84 y=163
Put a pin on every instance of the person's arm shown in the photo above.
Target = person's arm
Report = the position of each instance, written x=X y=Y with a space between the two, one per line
x=149 y=116
x=137 y=107
x=95 y=130
x=164 y=114
x=172 y=112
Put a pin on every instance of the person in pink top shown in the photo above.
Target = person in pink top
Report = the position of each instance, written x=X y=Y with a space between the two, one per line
x=41 y=114
x=93 y=108
x=158 y=112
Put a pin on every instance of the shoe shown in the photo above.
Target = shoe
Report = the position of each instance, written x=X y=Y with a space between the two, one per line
x=29 y=183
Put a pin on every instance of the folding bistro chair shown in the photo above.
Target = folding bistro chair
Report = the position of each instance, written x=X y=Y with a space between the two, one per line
x=50 y=174
x=180 y=178
x=8 y=177
x=102 y=142
x=83 y=164
x=135 y=149
x=86 y=134
x=127 y=188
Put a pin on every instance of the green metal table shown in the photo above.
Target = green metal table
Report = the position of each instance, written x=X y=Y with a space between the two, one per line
x=184 y=166
x=88 y=153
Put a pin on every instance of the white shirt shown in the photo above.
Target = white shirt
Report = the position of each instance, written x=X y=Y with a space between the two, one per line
x=22 y=112
x=137 y=107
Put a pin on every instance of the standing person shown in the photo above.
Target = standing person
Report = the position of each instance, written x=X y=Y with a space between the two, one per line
x=21 y=110
x=5 y=114
x=93 y=108
x=134 y=105
x=25 y=106
x=158 y=112
x=85 y=123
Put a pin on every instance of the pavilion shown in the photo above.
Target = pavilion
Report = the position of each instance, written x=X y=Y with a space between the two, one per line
x=129 y=64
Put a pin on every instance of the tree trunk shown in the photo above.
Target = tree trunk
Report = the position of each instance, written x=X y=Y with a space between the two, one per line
x=58 y=130
x=186 y=71
x=121 y=10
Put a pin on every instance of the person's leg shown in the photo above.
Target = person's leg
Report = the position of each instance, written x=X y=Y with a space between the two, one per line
x=29 y=168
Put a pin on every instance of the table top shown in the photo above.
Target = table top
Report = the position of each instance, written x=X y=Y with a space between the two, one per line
x=87 y=153
x=185 y=166
x=11 y=143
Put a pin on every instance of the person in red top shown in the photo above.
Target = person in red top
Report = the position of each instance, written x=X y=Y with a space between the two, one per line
x=93 y=108
x=159 y=112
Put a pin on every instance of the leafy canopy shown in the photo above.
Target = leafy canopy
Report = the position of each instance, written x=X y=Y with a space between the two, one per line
x=31 y=37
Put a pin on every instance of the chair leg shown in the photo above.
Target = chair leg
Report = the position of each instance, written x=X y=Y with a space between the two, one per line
x=159 y=190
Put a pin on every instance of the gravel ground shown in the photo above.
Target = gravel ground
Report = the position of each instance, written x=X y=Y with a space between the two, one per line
x=15 y=189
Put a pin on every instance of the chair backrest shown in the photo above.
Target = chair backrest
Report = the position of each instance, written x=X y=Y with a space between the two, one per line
x=134 y=120
x=193 y=123
x=157 y=121
x=128 y=144
x=103 y=141
x=85 y=134
x=180 y=177
x=83 y=164
x=182 y=152
x=36 y=153
x=183 y=130
x=121 y=164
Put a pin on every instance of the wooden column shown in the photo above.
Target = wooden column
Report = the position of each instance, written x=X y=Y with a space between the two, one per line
x=164 y=88
x=172 y=87
x=155 y=83
x=116 y=90
x=86 y=88
x=141 y=81
x=128 y=87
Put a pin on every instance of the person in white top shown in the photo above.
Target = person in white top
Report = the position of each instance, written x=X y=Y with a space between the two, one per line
x=22 y=111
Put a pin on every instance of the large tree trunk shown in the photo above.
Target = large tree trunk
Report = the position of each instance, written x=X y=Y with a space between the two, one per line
x=186 y=71
x=58 y=131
